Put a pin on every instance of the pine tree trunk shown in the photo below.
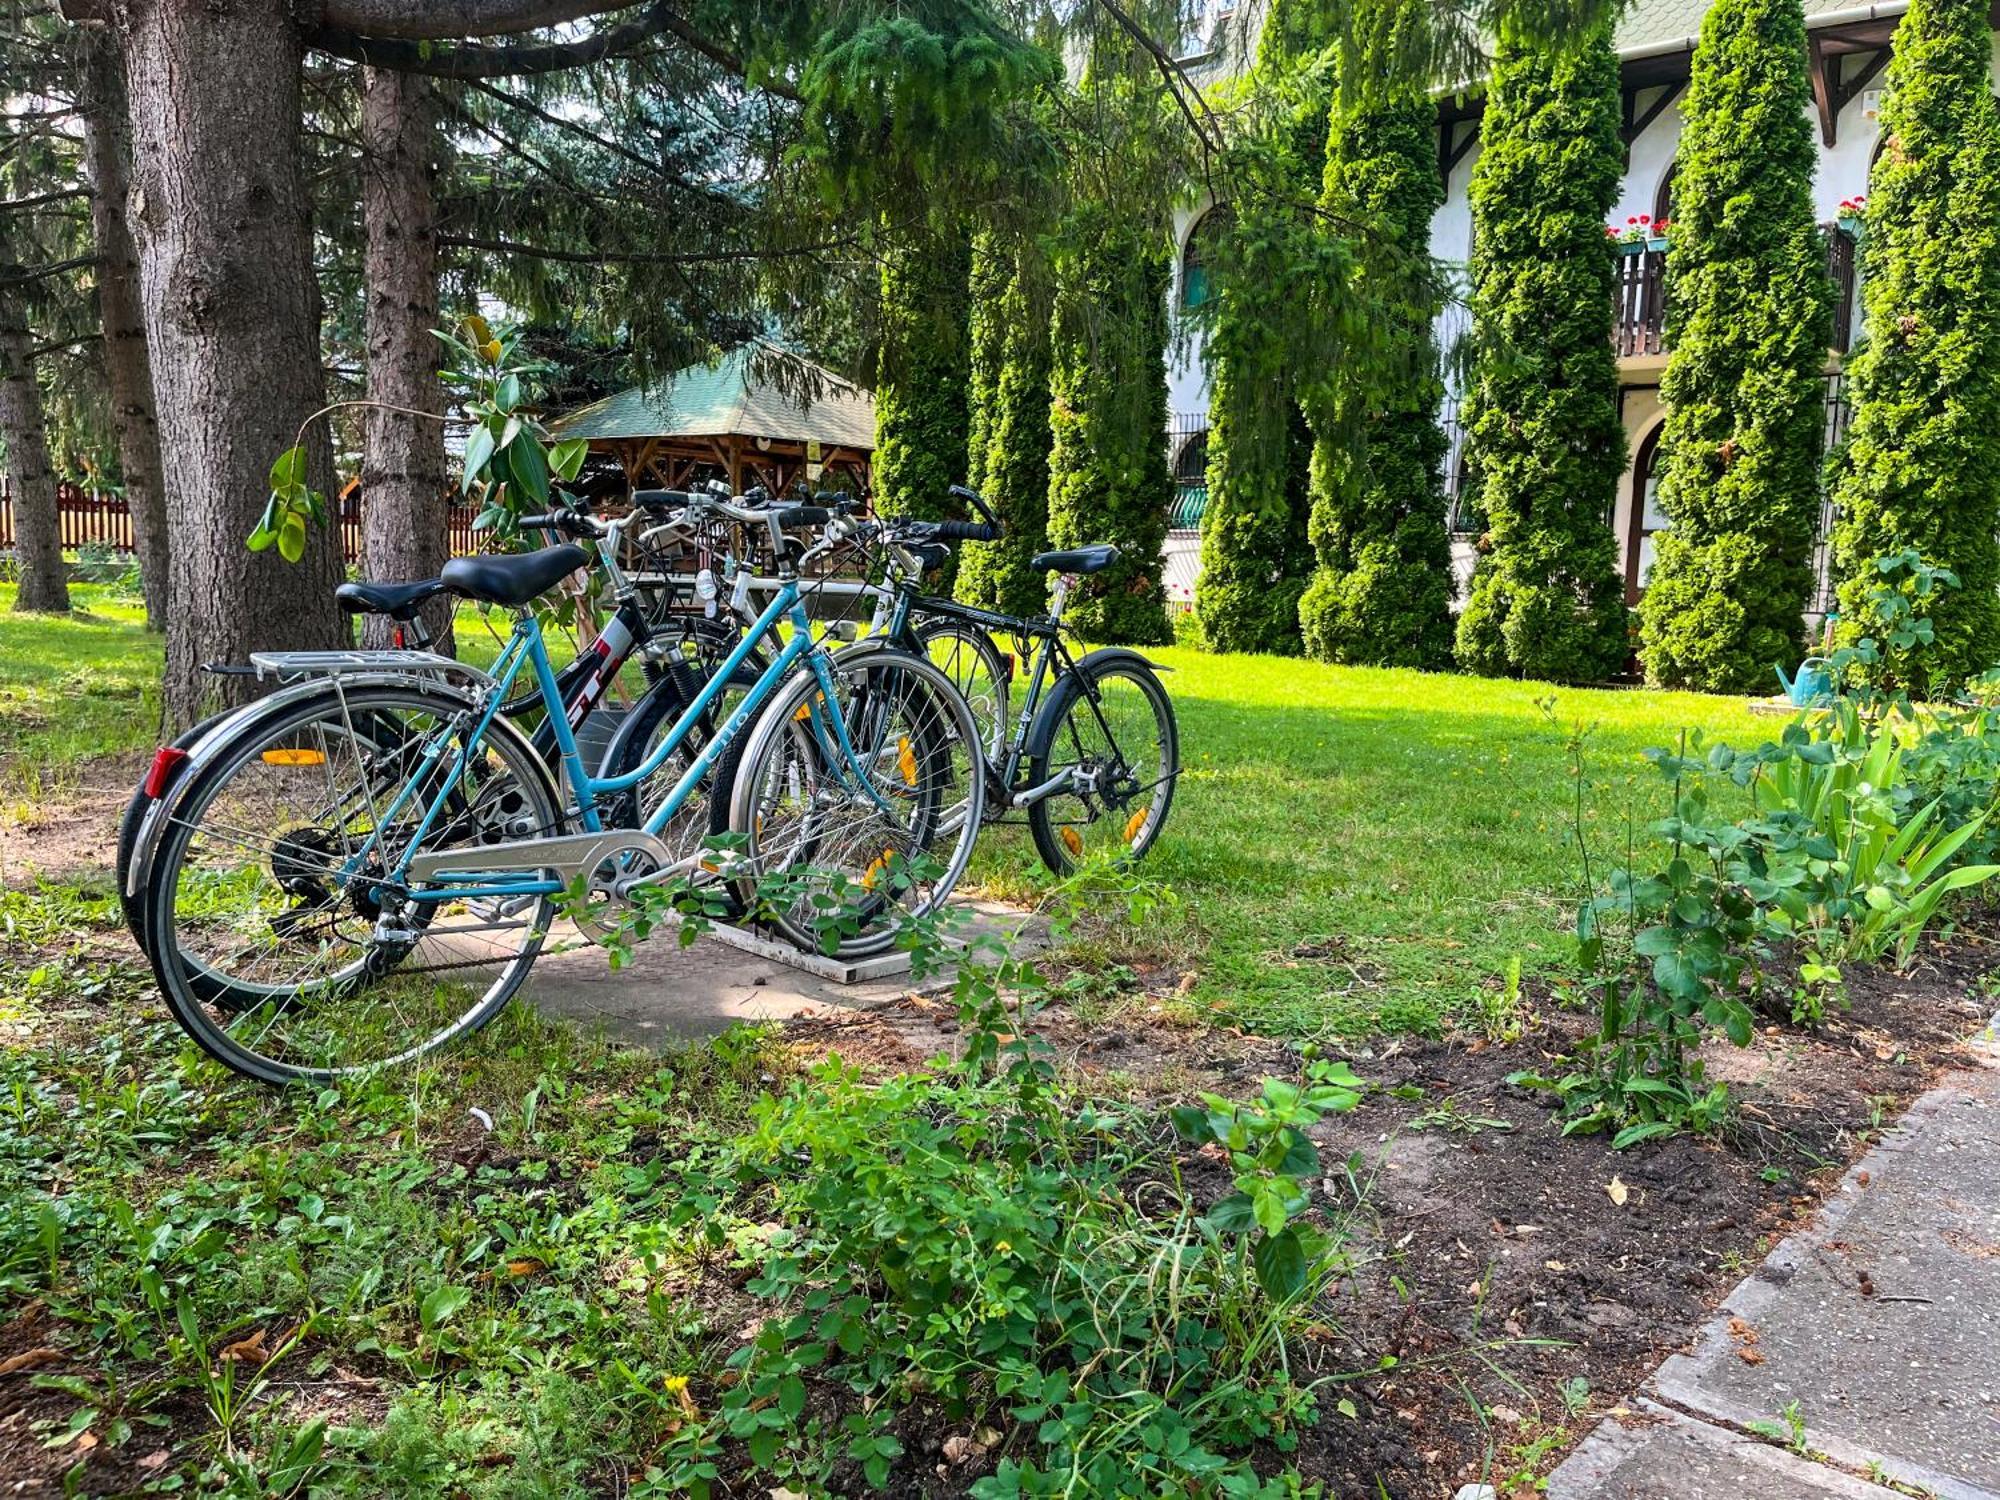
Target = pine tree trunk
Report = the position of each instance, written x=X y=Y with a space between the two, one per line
x=128 y=373
x=37 y=529
x=232 y=321
x=402 y=469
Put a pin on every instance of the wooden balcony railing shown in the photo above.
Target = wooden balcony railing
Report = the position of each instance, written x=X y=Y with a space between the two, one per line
x=1639 y=296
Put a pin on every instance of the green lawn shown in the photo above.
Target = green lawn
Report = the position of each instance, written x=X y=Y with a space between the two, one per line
x=1350 y=849
x=72 y=689
x=1412 y=829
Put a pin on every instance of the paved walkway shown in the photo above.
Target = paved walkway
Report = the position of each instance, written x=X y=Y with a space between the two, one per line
x=668 y=993
x=1877 y=1328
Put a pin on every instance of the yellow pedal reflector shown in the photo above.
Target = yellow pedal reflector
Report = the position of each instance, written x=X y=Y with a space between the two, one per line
x=294 y=758
x=1073 y=841
x=1138 y=821
x=877 y=869
x=906 y=760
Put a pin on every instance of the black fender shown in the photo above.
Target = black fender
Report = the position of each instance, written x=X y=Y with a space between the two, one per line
x=1044 y=727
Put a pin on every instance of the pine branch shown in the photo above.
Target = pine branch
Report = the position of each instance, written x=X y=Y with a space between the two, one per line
x=637 y=257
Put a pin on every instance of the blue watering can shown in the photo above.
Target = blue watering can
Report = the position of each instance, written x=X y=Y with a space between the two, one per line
x=1812 y=682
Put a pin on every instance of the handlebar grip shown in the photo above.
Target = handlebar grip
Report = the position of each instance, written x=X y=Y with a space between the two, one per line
x=661 y=499
x=570 y=523
x=977 y=501
x=965 y=531
x=802 y=515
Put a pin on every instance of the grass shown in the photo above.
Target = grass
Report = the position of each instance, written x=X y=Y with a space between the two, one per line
x=74 y=688
x=1358 y=850
x=1352 y=850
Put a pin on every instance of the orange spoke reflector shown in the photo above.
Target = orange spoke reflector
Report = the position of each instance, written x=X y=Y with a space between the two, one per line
x=1073 y=841
x=906 y=760
x=1132 y=828
x=294 y=758
x=877 y=870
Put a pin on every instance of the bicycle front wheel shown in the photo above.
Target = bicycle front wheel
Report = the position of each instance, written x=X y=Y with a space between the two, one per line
x=1108 y=732
x=284 y=940
x=977 y=668
x=856 y=810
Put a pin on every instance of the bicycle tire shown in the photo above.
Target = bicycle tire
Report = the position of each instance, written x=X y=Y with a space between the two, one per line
x=944 y=722
x=180 y=973
x=1046 y=820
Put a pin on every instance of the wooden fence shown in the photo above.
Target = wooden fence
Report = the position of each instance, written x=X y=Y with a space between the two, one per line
x=100 y=519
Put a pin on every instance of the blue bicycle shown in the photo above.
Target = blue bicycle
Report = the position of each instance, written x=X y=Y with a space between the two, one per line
x=856 y=792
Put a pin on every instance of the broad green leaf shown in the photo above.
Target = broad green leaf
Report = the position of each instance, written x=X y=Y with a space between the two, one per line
x=478 y=451
x=290 y=469
x=441 y=1304
x=1280 y=1262
x=530 y=471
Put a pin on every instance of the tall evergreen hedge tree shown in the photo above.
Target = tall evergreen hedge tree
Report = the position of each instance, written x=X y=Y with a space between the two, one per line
x=1381 y=593
x=1108 y=475
x=921 y=376
x=1254 y=555
x=1011 y=429
x=1922 y=465
x=985 y=334
x=1546 y=446
x=1749 y=317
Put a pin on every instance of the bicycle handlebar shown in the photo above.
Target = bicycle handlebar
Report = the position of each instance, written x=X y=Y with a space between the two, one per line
x=564 y=522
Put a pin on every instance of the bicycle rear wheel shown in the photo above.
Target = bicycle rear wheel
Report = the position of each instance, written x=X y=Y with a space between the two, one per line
x=978 y=669
x=283 y=939
x=860 y=844
x=1108 y=729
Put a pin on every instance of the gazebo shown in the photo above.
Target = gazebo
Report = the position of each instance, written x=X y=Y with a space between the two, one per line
x=733 y=420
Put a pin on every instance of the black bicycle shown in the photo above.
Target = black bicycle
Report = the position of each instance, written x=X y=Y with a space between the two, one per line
x=1089 y=751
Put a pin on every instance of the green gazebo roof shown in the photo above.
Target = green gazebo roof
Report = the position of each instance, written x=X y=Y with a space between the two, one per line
x=734 y=398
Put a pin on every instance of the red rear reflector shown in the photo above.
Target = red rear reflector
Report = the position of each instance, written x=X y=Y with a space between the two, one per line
x=166 y=765
x=397 y=637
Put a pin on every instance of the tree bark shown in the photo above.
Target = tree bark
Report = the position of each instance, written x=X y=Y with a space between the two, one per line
x=128 y=373
x=37 y=528
x=232 y=322
x=402 y=467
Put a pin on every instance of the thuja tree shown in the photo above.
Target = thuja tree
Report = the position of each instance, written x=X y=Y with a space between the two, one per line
x=1108 y=475
x=1381 y=592
x=985 y=335
x=1010 y=427
x=1546 y=445
x=1922 y=466
x=920 y=380
x=1749 y=316
x=1253 y=552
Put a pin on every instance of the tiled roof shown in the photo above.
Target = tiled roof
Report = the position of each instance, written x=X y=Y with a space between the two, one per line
x=740 y=396
x=1652 y=25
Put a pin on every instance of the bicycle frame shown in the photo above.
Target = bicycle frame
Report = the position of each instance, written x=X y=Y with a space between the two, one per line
x=525 y=650
x=1047 y=630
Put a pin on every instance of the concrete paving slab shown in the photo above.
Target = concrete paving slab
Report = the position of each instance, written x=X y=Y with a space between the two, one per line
x=1882 y=1318
x=668 y=993
x=1657 y=1454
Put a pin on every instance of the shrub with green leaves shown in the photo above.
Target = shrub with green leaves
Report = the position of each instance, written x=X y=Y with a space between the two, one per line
x=1921 y=464
x=1749 y=317
x=979 y=1234
x=1010 y=428
x=921 y=375
x=1108 y=474
x=1545 y=445
x=1381 y=593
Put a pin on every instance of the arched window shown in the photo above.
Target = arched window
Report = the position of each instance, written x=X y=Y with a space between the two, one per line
x=1663 y=200
x=1198 y=258
x=1647 y=516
